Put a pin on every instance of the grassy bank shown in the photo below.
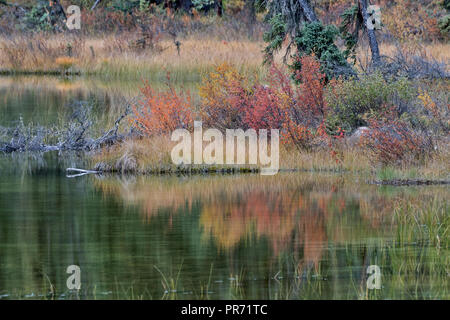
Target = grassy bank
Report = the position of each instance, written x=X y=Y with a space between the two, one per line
x=152 y=156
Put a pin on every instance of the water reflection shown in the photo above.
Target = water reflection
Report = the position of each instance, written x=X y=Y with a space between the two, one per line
x=322 y=224
x=288 y=236
x=284 y=208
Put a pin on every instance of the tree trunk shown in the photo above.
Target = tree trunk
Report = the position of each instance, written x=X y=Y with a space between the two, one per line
x=370 y=33
x=308 y=11
x=219 y=8
x=250 y=12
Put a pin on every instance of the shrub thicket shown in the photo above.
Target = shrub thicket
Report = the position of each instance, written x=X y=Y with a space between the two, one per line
x=353 y=102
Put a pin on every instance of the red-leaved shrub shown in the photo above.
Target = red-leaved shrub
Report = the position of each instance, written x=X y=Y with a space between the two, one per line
x=162 y=112
x=393 y=142
x=269 y=104
x=305 y=122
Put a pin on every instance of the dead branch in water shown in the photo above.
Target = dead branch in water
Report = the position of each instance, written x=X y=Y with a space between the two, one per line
x=71 y=138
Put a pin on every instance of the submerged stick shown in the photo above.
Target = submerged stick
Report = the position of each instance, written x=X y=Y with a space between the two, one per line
x=82 y=172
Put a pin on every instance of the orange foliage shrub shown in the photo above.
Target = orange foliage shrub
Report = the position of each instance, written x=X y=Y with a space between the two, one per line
x=162 y=112
x=428 y=103
x=65 y=62
x=305 y=121
x=230 y=101
x=224 y=94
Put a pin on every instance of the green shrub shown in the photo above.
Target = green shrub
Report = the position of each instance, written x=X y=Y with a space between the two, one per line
x=43 y=16
x=37 y=18
x=125 y=6
x=202 y=4
x=444 y=24
x=352 y=102
x=274 y=37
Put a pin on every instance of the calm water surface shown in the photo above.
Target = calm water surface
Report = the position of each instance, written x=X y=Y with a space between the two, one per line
x=291 y=236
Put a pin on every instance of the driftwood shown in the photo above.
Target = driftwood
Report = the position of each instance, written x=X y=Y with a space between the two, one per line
x=71 y=138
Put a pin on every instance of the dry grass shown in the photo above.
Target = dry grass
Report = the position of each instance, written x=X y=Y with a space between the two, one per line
x=143 y=155
x=196 y=57
x=116 y=56
x=41 y=54
x=111 y=57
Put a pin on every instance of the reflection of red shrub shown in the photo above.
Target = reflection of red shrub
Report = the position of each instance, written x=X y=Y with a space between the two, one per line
x=392 y=142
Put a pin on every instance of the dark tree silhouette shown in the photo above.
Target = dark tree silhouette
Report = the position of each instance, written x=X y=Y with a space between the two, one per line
x=295 y=13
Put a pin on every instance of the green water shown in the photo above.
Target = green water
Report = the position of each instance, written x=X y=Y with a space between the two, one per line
x=290 y=236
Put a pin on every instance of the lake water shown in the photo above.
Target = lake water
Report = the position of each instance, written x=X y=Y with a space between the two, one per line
x=290 y=236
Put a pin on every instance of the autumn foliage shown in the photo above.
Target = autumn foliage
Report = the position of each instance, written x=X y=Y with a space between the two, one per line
x=305 y=121
x=268 y=105
x=162 y=112
x=224 y=94
x=392 y=141
x=230 y=101
x=299 y=109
